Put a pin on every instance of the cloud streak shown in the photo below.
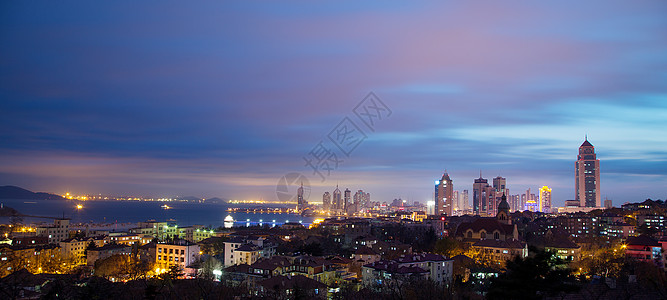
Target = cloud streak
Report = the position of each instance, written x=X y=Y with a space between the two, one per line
x=222 y=99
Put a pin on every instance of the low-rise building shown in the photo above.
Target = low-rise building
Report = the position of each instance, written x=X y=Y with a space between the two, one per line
x=391 y=250
x=131 y=239
x=30 y=240
x=34 y=258
x=653 y=221
x=644 y=248
x=75 y=248
x=178 y=253
x=365 y=255
x=247 y=250
x=106 y=251
x=565 y=249
x=500 y=251
x=414 y=267
x=618 y=229
x=284 y=287
x=55 y=233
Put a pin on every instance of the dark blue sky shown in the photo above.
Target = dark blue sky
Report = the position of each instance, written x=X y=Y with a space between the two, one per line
x=222 y=99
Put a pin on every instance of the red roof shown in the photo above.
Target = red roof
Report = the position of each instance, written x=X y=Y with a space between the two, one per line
x=488 y=224
x=642 y=240
x=586 y=144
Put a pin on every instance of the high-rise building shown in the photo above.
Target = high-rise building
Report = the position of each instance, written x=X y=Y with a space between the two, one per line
x=326 y=201
x=522 y=202
x=444 y=195
x=455 y=203
x=300 y=202
x=499 y=189
x=347 y=196
x=464 y=200
x=587 y=176
x=532 y=198
x=531 y=205
x=361 y=200
x=337 y=202
x=545 y=199
x=480 y=196
x=608 y=204
x=500 y=184
x=515 y=203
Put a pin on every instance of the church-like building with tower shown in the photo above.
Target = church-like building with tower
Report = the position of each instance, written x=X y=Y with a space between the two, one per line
x=495 y=238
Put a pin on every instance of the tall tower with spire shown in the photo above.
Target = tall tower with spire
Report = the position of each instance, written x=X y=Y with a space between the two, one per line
x=587 y=176
x=336 y=203
x=300 y=202
x=444 y=195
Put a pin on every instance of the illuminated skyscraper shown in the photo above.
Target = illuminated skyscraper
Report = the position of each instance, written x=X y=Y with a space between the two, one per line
x=361 y=200
x=500 y=184
x=455 y=203
x=587 y=176
x=545 y=199
x=515 y=203
x=347 y=199
x=326 y=201
x=499 y=189
x=480 y=196
x=463 y=200
x=337 y=203
x=300 y=202
x=444 y=195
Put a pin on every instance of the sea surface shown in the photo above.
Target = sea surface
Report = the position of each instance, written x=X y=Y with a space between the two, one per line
x=128 y=212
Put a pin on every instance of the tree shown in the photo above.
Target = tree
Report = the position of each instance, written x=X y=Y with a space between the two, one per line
x=173 y=273
x=601 y=261
x=113 y=267
x=215 y=246
x=448 y=246
x=532 y=278
x=208 y=267
x=91 y=246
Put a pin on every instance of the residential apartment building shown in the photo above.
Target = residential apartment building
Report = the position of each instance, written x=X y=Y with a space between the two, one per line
x=55 y=233
x=179 y=253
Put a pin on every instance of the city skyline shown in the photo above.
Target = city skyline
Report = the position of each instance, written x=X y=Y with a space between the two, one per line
x=119 y=99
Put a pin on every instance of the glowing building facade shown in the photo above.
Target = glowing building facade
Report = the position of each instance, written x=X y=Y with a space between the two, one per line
x=444 y=195
x=587 y=176
x=545 y=199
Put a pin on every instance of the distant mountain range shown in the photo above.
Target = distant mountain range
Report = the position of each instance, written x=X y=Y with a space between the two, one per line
x=215 y=200
x=15 y=192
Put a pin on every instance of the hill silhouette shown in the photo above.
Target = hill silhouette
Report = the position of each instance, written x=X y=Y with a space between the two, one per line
x=15 y=192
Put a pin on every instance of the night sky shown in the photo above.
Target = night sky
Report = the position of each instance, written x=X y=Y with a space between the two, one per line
x=222 y=99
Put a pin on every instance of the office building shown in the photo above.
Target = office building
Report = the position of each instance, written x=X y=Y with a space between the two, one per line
x=337 y=201
x=481 y=194
x=545 y=199
x=444 y=195
x=326 y=201
x=300 y=201
x=587 y=176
